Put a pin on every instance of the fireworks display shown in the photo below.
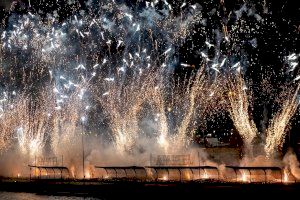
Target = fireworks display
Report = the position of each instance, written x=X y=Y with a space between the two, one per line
x=140 y=76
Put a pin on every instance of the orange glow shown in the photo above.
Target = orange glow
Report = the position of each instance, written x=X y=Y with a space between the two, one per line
x=87 y=174
x=285 y=176
x=165 y=178
x=244 y=177
x=205 y=175
x=106 y=177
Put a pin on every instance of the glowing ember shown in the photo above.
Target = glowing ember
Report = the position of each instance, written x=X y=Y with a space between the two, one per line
x=285 y=176
x=205 y=175
x=165 y=178
x=244 y=177
x=87 y=174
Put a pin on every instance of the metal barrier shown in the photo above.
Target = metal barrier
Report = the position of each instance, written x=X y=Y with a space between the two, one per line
x=183 y=173
x=254 y=174
x=119 y=172
x=49 y=172
x=158 y=173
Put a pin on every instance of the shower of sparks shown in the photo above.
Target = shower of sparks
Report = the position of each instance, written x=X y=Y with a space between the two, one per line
x=278 y=125
x=239 y=102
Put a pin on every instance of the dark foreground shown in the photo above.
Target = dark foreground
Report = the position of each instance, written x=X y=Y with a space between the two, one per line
x=147 y=190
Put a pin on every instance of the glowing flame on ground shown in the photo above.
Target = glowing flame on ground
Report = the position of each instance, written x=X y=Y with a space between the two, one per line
x=106 y=177
x=87 y=174
x=244 y=177
x=205 y=175
x=285 y=176
x=165 y=178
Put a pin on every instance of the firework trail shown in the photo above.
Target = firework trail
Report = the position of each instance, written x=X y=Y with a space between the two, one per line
x=239 y=111
x=277 y=126
x=8 y=120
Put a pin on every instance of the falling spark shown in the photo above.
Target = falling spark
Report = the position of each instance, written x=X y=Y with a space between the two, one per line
x=208 y=44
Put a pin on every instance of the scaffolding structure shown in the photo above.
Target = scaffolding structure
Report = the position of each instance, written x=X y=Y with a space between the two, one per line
x=170 y=160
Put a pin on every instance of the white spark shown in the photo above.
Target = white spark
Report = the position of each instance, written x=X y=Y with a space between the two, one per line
x=138 y=28
x=64 y=96
x=129 y=16
x=125 y=61
x=168 y=50
x=236 y=65
x=81 y=66
x=59 y=101
x=184 y=4
x=122 y=69
x=83 y=118
x=130 y=56
x=58 y=108
x=109 y=79
x=3 y=35
x=185 y=65
x=105 y=94
x=204 y=55
x=194 y=6
x=119 y=43
x=67 y=86
x=293 y=66
x=81 y=34
x=208 y=44
x=55 y=90
x=215 y=69
x=223 y=62
x=215 y=65
x=95 y=66
x=297 y=78
x=292 y=57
